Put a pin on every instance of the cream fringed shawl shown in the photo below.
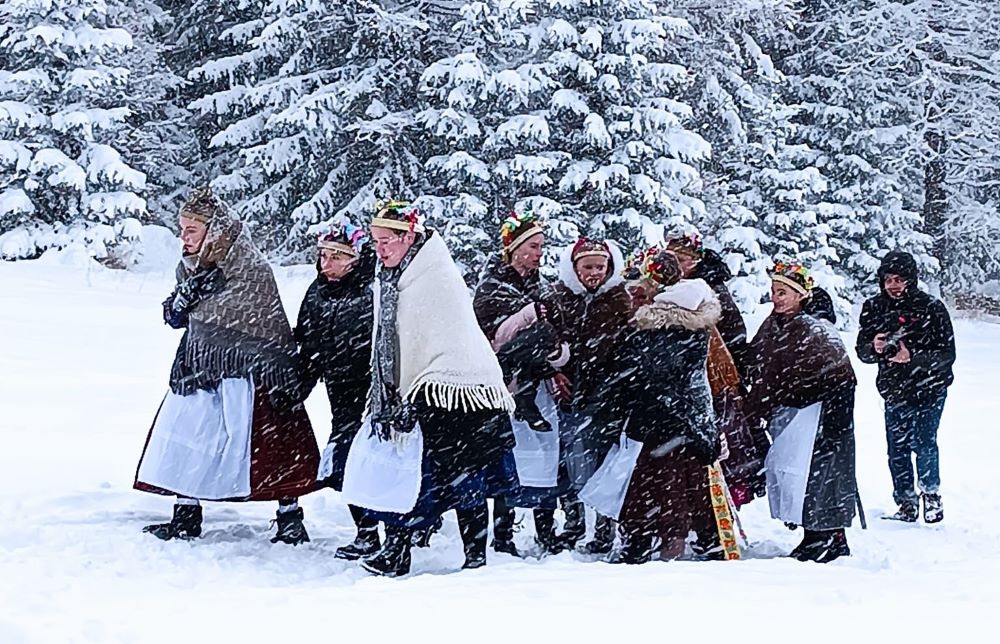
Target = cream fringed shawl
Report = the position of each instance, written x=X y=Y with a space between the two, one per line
x=443 y=355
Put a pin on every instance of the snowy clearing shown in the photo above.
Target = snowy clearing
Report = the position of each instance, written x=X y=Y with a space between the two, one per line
x=84 y=365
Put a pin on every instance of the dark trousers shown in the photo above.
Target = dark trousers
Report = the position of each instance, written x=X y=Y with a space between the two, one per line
x=911 y=428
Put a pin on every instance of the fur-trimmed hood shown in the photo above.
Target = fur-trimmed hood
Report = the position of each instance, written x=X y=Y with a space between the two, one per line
x=568 y=277
x=689 y=304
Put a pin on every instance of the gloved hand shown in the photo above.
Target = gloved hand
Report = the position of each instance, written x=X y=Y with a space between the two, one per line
x=193 y=290
x=174 y=319
x=400 y=419
x=184 y=297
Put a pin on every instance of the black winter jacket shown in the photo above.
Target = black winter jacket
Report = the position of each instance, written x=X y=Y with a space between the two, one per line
x=334 y=333
x=926 y=330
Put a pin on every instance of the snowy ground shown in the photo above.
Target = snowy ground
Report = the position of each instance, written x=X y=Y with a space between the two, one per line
x=84 y=364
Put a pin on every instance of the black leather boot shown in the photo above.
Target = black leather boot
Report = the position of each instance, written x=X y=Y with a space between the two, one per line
x=575 y=527
x=366 y=544
x=473 y=525
x=393 y=560
x=422 y=538
x=503 y=529
x=291 y=530
x=545 y=532
x=604 y=537
x=185 y=524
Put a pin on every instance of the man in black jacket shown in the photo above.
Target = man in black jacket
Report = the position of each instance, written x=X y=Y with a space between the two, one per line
x=908 y=333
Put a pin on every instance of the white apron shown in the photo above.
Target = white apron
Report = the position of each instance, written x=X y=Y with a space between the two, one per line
x=200 y=444
x=787 y=463
x=536 y=454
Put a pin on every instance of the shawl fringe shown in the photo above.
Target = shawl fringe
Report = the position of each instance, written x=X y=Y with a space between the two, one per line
x=203 y=365
x=465 y=398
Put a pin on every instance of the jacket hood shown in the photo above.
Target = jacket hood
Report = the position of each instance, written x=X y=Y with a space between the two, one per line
x=690 y=304
x=899 y=263
x=568 y=277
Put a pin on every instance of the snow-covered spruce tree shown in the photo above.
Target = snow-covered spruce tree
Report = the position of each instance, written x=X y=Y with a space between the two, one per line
x=160 y=140
x=852 y=187
x=958 y=47
x=64 y=79
x=736 y=96
x=208 y=47
x=898 y=96
x=320 y=110
x=568 y=108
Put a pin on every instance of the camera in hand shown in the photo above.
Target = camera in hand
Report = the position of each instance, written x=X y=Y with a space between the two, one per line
x=892 y=343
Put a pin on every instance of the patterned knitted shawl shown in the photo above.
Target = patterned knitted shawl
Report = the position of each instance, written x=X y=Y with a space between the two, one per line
x=241 y=330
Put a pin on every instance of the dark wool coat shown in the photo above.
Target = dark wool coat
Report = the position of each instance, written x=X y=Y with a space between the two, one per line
x=334 y=334
x=666 y=401
x=501 y=293
x=660 y=390
x=799 y=361
x=589 y=324
x=926 y=330
x=714 y=271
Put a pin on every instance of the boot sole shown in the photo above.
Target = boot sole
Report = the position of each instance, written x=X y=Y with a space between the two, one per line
x=355 y=556
x=391 y=574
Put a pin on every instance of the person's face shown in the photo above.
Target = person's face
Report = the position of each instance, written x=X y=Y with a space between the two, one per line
x=687 y=264
x=391 y=245
x=192 y=234
x=334 y=265
x=786 y=300
x=642 y=293
x=528 y=256
x=895 y=285
x=592 y=271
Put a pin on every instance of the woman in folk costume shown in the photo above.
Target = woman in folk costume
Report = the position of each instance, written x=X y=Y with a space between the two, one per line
x=334 y=333
x=803 y=390
x=432 y=365
x=229 y=429
x=698 y=262
x=509 y=307
x=743 y=461
x=593 y=308
x=660 y=395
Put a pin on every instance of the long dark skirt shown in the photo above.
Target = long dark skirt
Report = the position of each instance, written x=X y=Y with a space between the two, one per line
x=465 y=461
x=668 y=497
x=831 y=492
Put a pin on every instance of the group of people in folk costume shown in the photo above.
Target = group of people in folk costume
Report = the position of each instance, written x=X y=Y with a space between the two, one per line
x=627 y=385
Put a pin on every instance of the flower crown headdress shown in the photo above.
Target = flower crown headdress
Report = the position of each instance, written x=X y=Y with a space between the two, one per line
x=795 y=275
x=397 y=214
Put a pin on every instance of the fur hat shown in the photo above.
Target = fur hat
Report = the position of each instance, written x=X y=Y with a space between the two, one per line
x=397 y=214
x=585 y=247
x=517 y=229
x=795 y=275
x=346 y=240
